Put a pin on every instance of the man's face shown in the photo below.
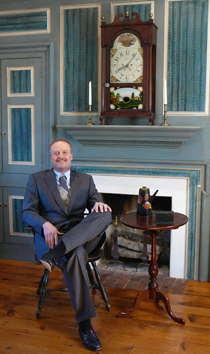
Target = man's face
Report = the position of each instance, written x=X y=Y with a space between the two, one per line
x=61 y=156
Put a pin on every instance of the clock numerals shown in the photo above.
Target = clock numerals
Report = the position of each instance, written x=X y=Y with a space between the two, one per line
x=126 y=68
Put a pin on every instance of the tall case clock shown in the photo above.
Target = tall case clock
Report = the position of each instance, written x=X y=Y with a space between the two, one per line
x=128 y=68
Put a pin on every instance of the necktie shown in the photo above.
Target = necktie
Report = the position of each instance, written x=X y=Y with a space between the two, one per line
x=64 y=193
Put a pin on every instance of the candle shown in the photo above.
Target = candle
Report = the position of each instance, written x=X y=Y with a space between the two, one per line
x=165 y=93
x=90 y=93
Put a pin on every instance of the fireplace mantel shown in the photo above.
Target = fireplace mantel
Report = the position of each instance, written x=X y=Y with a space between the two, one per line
x=131 y=135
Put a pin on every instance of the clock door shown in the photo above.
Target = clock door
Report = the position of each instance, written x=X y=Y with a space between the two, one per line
x=126 y=73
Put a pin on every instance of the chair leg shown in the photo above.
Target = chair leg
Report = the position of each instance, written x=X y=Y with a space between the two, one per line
x=101 y=287
x=94 y=285
x=41 y=291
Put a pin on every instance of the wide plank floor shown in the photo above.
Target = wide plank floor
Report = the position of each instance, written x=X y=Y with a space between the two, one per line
x=149 y=331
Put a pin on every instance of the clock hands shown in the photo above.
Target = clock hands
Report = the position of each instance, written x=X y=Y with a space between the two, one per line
x=127 y=65
x=122 y=67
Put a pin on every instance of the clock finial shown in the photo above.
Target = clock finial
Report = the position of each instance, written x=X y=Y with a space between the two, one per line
x=150 y=15
x=127 y=13
x=102 y=17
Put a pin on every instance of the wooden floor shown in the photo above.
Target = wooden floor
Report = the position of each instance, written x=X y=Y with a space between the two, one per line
x=149 y=331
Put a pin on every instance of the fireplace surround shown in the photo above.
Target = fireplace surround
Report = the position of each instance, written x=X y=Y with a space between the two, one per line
x=183 y=184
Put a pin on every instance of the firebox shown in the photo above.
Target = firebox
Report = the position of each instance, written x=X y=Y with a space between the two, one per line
x=128 y=246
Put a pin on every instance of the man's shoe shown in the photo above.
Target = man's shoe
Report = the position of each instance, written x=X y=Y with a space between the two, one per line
x=48 y=260
x=90 y=340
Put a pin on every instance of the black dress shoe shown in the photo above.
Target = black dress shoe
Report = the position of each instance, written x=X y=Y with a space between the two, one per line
x=90 y=340
x=48 y=260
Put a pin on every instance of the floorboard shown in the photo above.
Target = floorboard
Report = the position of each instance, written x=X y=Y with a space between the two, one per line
x=149 y=331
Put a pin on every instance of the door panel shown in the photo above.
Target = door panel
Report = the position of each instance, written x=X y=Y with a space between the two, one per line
x=15 y=229
x=21 y=115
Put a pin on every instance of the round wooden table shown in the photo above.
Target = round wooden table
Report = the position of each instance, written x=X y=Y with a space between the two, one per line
x=153 y=229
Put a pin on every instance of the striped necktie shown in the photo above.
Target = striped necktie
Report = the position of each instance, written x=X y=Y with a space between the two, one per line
x=64 y=193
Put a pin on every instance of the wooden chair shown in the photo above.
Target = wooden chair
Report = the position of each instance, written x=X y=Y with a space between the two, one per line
x=96 y=282
x=94 y=277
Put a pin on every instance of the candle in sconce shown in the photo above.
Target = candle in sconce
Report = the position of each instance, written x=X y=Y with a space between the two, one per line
x=90 y=93
x=165 y=94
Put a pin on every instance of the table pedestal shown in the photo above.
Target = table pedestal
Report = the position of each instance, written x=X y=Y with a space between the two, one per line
x=152 y=292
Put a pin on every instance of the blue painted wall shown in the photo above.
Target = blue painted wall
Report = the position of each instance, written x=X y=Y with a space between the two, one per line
x=196 y=150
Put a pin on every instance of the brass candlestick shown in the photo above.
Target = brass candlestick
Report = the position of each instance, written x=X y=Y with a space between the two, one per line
x=89 y=122
x=165 y=124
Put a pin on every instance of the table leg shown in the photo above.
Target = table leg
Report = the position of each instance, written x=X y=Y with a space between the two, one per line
x=153 y=285
x=164 y=298
x=152 y=292
x=143 y=295
x=153 y=268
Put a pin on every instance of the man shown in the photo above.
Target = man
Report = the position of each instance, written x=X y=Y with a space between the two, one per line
x=54 y=205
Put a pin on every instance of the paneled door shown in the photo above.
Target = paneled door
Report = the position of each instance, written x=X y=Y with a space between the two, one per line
x=21 y=87
x=1 y=218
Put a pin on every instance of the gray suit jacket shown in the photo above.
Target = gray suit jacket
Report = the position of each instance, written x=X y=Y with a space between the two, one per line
x=42 y=202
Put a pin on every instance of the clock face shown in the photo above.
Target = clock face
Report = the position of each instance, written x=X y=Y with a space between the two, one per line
x=126 y=59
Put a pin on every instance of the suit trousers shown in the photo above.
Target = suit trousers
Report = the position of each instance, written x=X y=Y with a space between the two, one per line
x=81 y=241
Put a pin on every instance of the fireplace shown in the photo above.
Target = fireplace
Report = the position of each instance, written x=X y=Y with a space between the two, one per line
x=183 y=183
x=167 y=186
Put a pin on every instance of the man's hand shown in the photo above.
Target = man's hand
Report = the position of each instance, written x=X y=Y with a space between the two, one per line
x=98 y=206
x=51 y=234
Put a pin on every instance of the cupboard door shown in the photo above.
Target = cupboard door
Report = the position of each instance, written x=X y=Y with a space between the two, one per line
x=21 y=115
x=1 y=218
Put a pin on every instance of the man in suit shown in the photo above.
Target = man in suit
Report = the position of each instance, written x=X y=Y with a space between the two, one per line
x=54 y=205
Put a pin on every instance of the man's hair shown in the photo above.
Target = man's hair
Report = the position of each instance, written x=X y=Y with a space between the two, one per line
x=55 y=141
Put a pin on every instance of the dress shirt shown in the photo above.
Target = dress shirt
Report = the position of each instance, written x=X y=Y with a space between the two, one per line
x=67 y=174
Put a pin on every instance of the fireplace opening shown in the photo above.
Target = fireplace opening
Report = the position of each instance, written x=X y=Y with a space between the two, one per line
x=128 y=246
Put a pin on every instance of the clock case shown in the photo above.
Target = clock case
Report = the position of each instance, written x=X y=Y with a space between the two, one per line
x=147 y=34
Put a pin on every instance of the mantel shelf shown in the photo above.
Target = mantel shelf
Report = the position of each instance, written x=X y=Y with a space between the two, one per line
x=131 y=135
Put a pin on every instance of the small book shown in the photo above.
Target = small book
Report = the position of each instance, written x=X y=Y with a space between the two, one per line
x=164 y=217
